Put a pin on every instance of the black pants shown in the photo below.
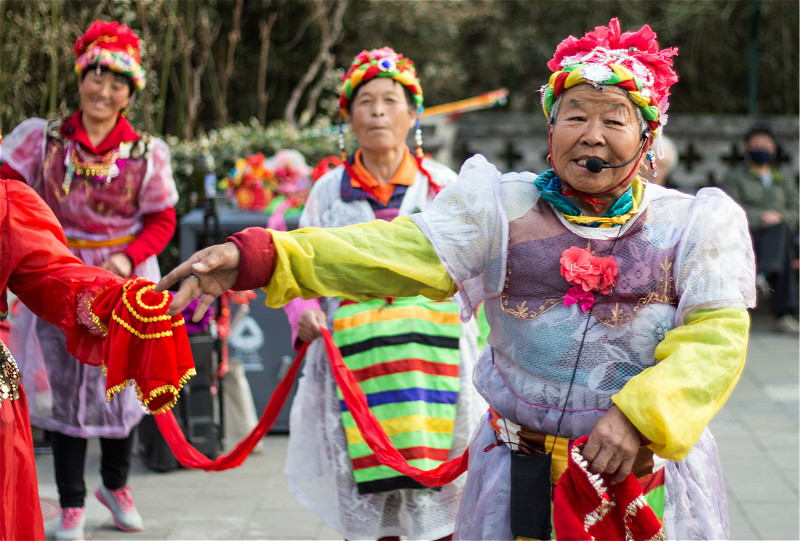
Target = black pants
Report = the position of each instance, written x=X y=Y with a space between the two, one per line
x=775 y=250
x=69 y=458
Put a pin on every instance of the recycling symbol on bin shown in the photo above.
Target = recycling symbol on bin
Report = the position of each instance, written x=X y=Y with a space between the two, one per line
x=247 y=335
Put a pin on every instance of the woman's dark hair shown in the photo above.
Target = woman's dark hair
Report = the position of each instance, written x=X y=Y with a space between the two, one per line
x=117 y=76
x=412 y=104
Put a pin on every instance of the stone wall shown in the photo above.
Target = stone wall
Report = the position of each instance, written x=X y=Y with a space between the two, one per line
x=707 y=145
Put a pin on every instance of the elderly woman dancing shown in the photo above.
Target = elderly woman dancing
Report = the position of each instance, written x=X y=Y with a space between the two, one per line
x=618 y=309
x=404 y=347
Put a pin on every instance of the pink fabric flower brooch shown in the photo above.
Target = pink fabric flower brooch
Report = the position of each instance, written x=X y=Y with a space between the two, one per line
x=586 y=274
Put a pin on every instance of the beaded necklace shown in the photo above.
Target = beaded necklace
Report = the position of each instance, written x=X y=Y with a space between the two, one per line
x=98 y=172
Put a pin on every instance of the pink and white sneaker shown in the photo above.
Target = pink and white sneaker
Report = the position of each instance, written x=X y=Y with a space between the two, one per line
x=120 y=503
x=71 y=527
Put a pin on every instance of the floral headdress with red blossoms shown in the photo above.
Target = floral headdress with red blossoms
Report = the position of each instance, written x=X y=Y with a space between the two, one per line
x=383 y=62
x=586 y=273
x=112 y=45
x=606 y=56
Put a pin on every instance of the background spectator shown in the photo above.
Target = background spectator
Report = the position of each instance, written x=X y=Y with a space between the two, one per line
x=770 y=200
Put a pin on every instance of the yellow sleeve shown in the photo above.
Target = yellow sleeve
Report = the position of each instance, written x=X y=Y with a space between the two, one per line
x=360 y=262
x=698 y=366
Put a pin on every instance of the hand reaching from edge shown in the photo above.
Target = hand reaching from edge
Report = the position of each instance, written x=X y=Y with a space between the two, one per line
x=214 y=271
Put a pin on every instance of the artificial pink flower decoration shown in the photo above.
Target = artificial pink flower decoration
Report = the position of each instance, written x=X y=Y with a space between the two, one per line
x=608 y=273
x=586 y=273
x=641 y=45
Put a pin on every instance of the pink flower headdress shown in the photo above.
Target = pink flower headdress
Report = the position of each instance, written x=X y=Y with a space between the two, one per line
x=587 y=273
x=607 y=56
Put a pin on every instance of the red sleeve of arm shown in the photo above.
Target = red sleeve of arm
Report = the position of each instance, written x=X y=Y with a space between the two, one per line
x=157 y=231
x=257 y=258
x=6 y=171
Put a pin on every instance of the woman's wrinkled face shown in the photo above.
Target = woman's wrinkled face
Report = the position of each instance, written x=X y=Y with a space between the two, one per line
x=103 y=95
x=380 y=115
x=595 y=123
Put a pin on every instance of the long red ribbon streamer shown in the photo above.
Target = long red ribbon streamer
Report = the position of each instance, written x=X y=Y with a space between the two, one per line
x=190 y=457
x=373 y=432
x=356 y=401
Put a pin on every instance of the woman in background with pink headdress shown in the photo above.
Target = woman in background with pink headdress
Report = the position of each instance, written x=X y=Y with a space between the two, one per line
x=618 y=308
x=113 y=192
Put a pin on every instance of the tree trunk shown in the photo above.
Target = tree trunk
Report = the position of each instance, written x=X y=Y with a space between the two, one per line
x=147 y=106
x=233 y=39
x=265 y=30
x=330 y=17
x=207 y=37
x=185 y=24
x=52 y=52
x=316 y=90
x=166 y=64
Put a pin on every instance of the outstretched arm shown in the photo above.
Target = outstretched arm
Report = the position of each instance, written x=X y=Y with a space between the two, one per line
x=361 y=262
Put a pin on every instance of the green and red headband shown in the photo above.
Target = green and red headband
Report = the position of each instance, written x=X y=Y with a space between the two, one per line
x=383 y=62
x=631 y=61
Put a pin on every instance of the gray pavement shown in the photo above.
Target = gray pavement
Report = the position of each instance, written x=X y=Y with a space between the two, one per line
x=757 y=432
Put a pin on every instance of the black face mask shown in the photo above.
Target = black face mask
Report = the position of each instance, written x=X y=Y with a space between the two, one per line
x=760 y=157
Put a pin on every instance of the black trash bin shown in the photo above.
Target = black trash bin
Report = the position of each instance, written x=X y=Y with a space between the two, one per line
x=263 y=341
x=197 y=411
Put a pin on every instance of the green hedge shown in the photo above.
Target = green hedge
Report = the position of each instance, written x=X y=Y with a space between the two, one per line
x=240 y=140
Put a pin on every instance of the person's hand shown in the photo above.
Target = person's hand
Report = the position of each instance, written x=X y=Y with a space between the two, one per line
x=310 y=325
x=612 y=445
x=213 y=271
x=770 y=218
x=118 y=263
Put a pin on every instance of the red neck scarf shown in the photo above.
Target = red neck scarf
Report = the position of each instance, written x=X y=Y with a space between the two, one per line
x=122 y=132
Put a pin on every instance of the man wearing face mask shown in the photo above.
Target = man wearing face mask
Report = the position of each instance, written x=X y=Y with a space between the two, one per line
x=771 y=202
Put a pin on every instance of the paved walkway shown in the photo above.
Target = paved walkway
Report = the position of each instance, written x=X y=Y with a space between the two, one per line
x=757 y=431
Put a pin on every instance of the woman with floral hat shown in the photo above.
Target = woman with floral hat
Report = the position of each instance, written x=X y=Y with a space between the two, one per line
x=404 y=348
x=618 y=309
x=113 y=192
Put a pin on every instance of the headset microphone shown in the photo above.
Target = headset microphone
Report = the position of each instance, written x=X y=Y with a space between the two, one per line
x=595 y=165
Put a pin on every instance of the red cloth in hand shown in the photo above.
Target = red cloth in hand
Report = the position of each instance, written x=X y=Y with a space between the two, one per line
x=586 y=506
x=356 y=402
x=143 y=345
x=189 y=457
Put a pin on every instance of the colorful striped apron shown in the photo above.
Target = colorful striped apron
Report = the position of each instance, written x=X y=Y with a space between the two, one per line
x=404 y=352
